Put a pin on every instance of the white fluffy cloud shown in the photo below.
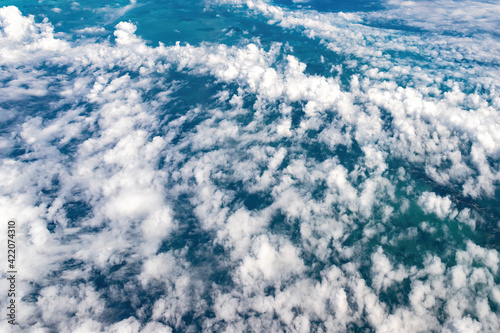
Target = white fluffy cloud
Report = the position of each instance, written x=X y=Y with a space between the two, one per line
x=297 y=242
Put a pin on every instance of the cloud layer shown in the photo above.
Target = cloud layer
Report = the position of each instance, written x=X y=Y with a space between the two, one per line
x=227 y=188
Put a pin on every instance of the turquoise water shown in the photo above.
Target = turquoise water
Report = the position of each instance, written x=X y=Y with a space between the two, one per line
x=259 y=166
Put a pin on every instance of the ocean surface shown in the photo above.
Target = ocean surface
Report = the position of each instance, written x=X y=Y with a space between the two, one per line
x=251 y=165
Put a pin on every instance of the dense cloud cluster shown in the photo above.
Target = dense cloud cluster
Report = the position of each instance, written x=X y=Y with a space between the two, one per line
x=279 y=201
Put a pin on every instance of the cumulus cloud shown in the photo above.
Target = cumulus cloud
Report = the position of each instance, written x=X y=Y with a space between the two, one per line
x=445 y=15
x=233 y=215
x=433 y=203
x=91 y=30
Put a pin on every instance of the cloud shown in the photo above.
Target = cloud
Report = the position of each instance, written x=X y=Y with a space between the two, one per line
x=233 y=212
x=445 y=15
x=432 y=203
x=91 y=30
